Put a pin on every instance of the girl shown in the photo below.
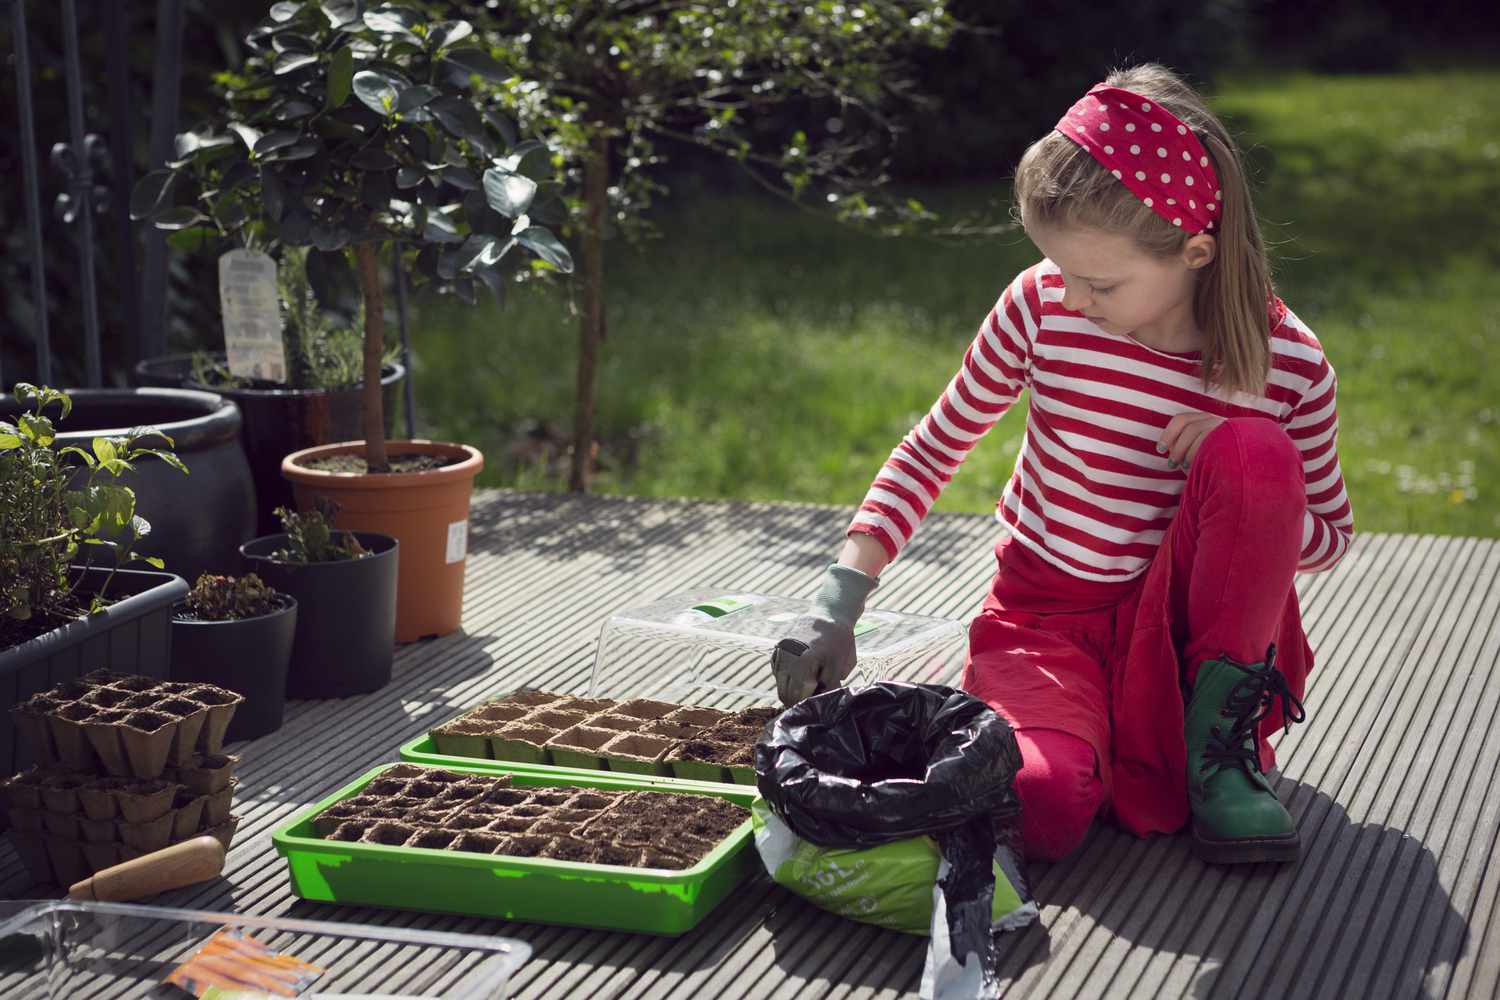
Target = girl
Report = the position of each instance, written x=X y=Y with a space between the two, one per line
x=1179 y=466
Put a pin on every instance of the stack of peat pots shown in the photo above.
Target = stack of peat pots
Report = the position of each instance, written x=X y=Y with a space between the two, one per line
x=127 y=765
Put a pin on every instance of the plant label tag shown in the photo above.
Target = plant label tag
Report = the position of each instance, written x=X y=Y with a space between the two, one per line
x=252 y=315
x=458 y=541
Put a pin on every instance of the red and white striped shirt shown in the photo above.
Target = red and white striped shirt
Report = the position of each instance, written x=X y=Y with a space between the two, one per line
x=1089 y=493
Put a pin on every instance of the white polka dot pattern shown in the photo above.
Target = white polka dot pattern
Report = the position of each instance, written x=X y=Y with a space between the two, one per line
x=1105 y=109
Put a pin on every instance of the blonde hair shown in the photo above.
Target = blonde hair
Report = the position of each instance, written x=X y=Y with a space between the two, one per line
x=1058 y=184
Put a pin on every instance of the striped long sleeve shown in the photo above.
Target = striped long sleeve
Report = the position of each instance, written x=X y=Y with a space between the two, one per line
x=1089 y=492
x=995 y=369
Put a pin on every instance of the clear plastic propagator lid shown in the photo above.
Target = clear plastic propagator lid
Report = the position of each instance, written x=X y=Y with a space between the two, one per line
x=55 y=949
x=714 y=648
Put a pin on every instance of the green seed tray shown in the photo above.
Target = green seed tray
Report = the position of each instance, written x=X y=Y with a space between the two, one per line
x=422 y=751
x=608 y=897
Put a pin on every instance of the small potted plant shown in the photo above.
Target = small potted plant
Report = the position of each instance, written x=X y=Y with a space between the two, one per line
x=237 y=633
x=345 y=586
x=358 y=131
x=61 y=506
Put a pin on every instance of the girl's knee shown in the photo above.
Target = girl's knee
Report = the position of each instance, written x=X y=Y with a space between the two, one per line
x=1262 y=458
x=1060 y=791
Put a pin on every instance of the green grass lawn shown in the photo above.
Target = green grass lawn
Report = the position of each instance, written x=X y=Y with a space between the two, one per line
x=760 y=352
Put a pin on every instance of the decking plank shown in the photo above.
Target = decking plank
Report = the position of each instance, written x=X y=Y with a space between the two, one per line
x=1390 y=780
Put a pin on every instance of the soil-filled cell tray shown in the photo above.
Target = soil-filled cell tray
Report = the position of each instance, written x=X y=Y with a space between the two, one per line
x=422 y=751
x=509 y=887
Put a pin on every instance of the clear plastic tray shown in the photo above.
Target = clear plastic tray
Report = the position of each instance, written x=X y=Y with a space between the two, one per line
x=714 y=648
x=52 y=949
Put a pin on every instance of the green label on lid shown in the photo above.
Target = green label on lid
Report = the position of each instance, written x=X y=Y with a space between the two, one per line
x=721 y=606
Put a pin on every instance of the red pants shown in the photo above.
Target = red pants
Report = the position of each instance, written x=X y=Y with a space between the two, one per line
x=1091 y=674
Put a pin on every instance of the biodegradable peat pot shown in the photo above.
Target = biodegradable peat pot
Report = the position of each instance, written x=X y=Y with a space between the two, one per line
x=248 y=656
x=580 y=746
x=147 y=736
x=345 y=639
x=133 y=634
x=635 y=753
x=197 y=520
x=426 y=512
x=463 y=738
x=277 y=421
x=223 y=706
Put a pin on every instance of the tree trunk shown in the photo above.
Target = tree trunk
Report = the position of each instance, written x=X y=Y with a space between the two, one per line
x=374 y=403
x=591 y=327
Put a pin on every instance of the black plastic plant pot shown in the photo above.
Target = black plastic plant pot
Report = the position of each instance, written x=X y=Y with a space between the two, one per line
x=346 y=625
x=249 y=657
x=278 y=421
x=133 y=635
x=197 y=520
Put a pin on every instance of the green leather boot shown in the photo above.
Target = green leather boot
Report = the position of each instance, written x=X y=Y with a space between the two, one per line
x=1237 y=818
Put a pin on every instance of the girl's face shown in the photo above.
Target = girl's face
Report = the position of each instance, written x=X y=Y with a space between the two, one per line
x=1120 y=288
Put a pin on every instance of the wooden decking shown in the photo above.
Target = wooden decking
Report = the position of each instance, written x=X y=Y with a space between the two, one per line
x=1392 y=780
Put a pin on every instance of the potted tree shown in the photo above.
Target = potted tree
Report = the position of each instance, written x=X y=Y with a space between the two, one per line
x=60 y=506
x=362 y=135
x=345 y=586
x=236 y=632
x=319 y=400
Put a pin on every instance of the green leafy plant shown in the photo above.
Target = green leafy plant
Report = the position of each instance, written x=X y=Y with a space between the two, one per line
x=311 y=539
x=353 y=129
x=49 y=512
x=216 y=598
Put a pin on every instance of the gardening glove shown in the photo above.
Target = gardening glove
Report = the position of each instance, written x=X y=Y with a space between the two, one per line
x=818 y=650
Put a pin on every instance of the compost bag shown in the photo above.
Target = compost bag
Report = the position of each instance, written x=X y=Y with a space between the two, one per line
x=848 y=772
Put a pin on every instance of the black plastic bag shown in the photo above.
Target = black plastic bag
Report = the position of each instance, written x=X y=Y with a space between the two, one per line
x=859 y=767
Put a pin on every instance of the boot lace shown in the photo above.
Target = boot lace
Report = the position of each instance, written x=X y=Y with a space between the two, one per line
x=1250 y=701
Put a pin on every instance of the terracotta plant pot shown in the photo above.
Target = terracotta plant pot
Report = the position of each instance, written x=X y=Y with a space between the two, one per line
x=426 y=512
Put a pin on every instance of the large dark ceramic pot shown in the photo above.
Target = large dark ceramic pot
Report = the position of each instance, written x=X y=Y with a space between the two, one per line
x=197 y=520
x=279 y=421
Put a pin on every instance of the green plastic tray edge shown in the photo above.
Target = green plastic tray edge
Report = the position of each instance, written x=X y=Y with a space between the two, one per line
x=294 y=834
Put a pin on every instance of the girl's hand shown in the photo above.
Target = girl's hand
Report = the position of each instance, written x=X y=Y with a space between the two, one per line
x=1183 y=434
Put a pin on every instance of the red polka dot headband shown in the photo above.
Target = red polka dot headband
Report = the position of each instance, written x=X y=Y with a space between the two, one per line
x=1151 y=152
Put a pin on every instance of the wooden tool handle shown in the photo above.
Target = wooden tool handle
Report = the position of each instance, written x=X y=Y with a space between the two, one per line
x=191 y=861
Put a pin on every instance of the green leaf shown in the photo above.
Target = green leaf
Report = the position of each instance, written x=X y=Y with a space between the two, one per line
x=104 y=450
x=461 y=177
x=546 y=246
x=272 y=192
x=373 y=159
x=285 y=10
x=438 y=228
x=151 y=193
x=38 y=430
x=155 y=562
x=182 y=217
x=248 y=135
x=507 y=193
x=304 y=149
x=188 y=143
x=340 y=13
x=272 y=141
x=415 y=97
x=340 y=76
x=290 y=62
x=480 y=250
x=502 y=123
x=446 y=33
x=392 y=20
x=460 y=119
x=165 y=456
x=478 y=62
x=9 y=439
x=409 y=177
x=379 y=91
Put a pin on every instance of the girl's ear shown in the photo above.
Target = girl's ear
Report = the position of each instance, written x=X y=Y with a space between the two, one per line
x=1199 y=251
